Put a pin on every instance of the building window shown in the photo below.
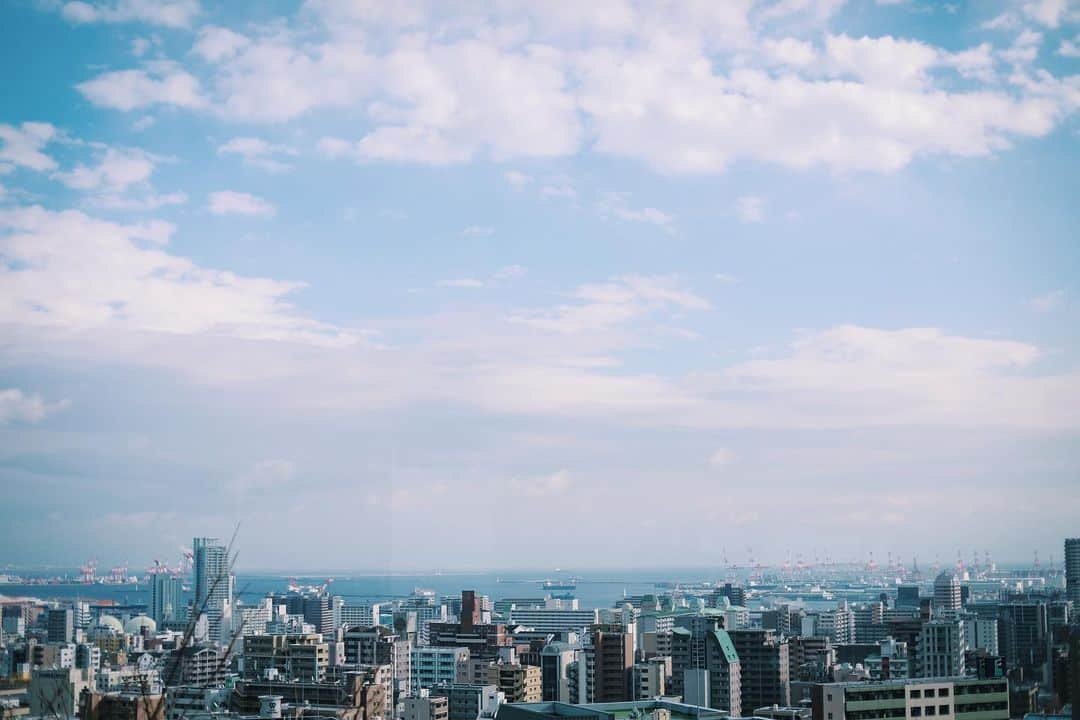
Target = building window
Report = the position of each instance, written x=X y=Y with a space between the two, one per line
x=943 y=709
x=929 y=692
x=830 y=716
x=916 y=712
x=916 y=693
x=944 y=692
x=830 y=697
x=930 y=710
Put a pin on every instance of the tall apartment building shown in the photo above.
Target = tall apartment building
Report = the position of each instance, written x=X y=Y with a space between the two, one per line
x=361 y=614
x=166 y=598
x=705 y=667
x=431 y=666
x=764 y=667
x=1072 y=572
x=426 y=707
x=553 y=621
x=941 y=648
x=379 y=645
x=294 y=657
x=612 y=657
x=213 y=585
x=951 y=698
x=649 y=678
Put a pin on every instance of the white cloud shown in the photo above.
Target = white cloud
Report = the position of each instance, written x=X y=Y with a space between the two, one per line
x=1048 y=301
x=509 y=272
x=471 y=283
x=17 y=406
x=167 y=13
x=600 y=306
x=215 y=44
x=516 y=178
x=1069 y=48
x=750 y=209
x=118 y=169
x=258 y=153
x=614 y=204
x=557 y=483
x=721 y=458
x=69 y=271
x=230 y=202
x=477 y=231
x=1050 y=13
x=160 y=83
x=262 y=477
x=22 y=146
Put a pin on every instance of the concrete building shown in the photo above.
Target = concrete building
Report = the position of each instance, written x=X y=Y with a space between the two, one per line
x=705 y=667
x=294 y=657
x=482 y=639
x=426 y=707
x=553 y=621
x=649 y=678
x=196 y=665
x=360 y=614
x=60 y=625
x=655 y=709
x=946 y=592
x=891 y=661
x=54 y=692
x=555 y=661
x=1024 y=635
x=1072 y=572
x=907 y=595
x=214 y=586
x=764 y=667
x=464 y=700
x=941 y=648
x=431 y=666
x=166 y=598
x=612 y=657
x=953 y=698
x=519 y=683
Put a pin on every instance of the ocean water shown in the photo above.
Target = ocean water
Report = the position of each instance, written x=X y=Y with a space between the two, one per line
x=595 y=589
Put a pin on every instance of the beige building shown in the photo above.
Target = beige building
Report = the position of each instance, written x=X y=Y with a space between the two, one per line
x=520 y=683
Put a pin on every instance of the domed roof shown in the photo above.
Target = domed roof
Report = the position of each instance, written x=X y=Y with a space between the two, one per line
x=135 y=625
x=108 y=622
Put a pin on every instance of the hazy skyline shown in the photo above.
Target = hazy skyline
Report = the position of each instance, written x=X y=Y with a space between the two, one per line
x=579 y=285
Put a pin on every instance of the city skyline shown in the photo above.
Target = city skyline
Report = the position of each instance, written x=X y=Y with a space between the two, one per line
x=617 y=283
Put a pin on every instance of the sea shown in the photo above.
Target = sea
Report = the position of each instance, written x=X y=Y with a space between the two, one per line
x=593 y=589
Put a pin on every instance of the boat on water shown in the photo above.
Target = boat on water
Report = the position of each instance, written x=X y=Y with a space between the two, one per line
x=558 y=585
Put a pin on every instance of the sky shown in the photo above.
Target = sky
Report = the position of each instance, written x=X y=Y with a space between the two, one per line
x=443 y=285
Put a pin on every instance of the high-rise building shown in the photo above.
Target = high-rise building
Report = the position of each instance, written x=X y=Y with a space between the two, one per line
x=1072 y=572
x=555 y=661
x=941 y=648
x=519 y=683
x=213 y=585
x=705 y=667
x=60 y=625
x=166 y=598
x=613 y=656
x=1023 y=634
x=764 y=667
x=947 y=594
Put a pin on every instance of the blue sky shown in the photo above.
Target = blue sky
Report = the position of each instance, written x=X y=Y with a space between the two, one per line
x=614 y=283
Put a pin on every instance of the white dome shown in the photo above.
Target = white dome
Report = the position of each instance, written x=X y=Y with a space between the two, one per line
x=108 y=622
x=135 y=625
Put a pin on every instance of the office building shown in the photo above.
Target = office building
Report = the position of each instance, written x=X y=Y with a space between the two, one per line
x=166 y=599
x=612 y=657
x=555 y=661
x=60 y=625
x=952 y=698
x=907 y=595
x=1024 y=634
x=554 y=621
x=649 y=678
x=1072 y=572
x=946 y=592
x=941 y=648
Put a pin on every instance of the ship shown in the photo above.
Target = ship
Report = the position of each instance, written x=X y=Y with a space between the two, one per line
x=558 y=585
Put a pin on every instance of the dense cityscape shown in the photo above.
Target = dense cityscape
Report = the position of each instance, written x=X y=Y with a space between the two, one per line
x=840 y=641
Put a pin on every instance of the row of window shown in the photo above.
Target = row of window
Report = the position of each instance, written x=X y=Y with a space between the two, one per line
x=930 y=710
x=930 y=692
